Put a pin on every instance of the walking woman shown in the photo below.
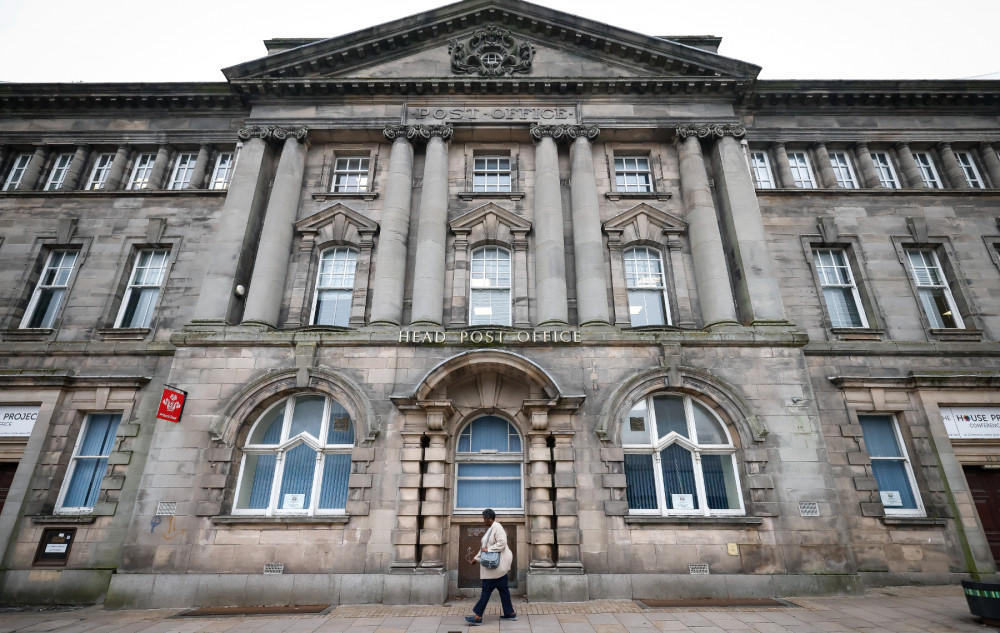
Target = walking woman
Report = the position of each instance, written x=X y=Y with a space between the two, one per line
x=495 y=540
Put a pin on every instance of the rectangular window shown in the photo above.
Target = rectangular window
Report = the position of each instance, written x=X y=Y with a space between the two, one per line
x=17 y=168
x=491 y=173
x=335 y=287
x=183 y=170
x=760 y=169
x=141 y=171
x=802 y=175
x=350 y=175
x=99 y=174
x=970 y=170
x=843 y=170
x=50 y=290
x=633 y=175
x=890 y=465
x=843 y=303
x=58 y=174
x=143 y=289
x=489 y=287
x=885 y=170
x=89 y=463
x=928 y=173
x=644 y=279
x=223 y=171
x=932 y=289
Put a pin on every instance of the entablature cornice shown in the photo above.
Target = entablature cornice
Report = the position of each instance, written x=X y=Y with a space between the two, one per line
x=985 y=380
x=891 y=136
x=117 y=137
x=898 y=96
x=104 y=99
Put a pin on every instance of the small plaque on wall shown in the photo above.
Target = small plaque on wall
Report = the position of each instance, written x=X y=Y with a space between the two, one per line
x=53 y=549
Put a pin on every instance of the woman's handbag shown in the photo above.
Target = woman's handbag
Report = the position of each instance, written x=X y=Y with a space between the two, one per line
x=489 y=560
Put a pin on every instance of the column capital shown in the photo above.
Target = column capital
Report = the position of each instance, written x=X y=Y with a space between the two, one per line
x=272 y=133
x=564 y=132
x=707 y=130
x=419 y=132
x=901 y=146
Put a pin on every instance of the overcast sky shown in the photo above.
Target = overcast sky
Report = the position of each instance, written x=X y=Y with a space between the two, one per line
x=191 y=40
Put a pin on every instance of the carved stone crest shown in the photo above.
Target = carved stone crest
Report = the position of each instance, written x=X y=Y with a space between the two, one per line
x=491 y=52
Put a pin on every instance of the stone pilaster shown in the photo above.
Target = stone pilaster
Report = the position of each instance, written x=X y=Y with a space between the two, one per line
x=551 y=297
x=359 y=300
x=908 y=165
x=434 y=482
x=34 y=169
x=567 y=507
x=588 y=244
x=404 y=538
x=956 y=175
x=200 y=169
x=710 y=272
x=159 y=168
x=988 y=154
x=432 y=233
x=72 y=180
x=821 y=156
x=520 y=290
x=271 y=264
x=117 y=172
x=782 y=170
x=866 y=166
x=540 y=507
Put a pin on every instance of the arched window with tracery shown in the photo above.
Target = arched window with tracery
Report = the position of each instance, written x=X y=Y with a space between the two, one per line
x=489 y=463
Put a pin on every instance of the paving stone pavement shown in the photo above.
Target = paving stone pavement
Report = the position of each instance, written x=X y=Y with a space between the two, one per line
x=940 y=609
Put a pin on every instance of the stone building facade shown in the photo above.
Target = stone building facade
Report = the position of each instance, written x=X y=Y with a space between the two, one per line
x=688 y=332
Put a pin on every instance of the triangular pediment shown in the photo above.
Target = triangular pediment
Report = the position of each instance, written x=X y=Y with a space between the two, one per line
x=490 y=223
x=338 y=223
x=537 y=44
x=644 y=224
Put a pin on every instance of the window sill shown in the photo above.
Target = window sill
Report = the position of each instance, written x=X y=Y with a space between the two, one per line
x=914 y=521
x=27 y=334
x=46 y=519
x=240 y=519
x=956 y=334
x=123 y=333
x=651 y=195
x=693 y=520
x=500 y=195
x=858 y=333
x=367 y=196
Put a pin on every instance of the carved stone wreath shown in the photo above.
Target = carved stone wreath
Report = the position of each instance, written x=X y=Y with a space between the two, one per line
x=491 y=52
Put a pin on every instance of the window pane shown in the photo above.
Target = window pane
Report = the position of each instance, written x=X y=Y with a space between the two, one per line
x=341 y=430
x=636 y=427
x=678 y=474
x=139 y=308
x=935 y=304
x=297 y=479
x=307 y=417
x=646 y=307
x=640 y=483
x=489 y=486
x=891 y=476
x=489 y=433
x=720 y=482
x=333 y=307
x=333 y=489
x=268 y=430
x=85 y=483
x=842 y=308
x=47 y=307
x=670 y=417
x=880 y=436
x=261 y=469
x=707 y=427
x=100 y=435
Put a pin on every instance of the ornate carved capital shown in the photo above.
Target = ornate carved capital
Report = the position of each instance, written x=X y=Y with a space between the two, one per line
x=706 y=130
x=491 y=52
x=564 y=132
x=419 y=132
x=272 y=133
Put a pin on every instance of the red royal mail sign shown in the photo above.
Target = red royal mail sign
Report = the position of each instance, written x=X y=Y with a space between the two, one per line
x=171 y=404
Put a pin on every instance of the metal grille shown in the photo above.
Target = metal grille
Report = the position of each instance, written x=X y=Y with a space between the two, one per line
x=701 y=570
x=808 y=509
x=274 y=568
x=166 y=508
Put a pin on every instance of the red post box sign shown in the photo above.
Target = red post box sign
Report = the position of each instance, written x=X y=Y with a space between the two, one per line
x=171 y=404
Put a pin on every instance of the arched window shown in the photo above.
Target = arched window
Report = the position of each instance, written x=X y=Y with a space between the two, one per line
x=679 y=459
x=334 y=287
x=647 y=290
x=297 y=459
x=489 y=287
x=489 y=467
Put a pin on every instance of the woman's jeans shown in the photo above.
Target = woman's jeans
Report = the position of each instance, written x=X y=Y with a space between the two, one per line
x=500 y=584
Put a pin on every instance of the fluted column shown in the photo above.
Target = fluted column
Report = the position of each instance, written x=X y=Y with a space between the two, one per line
x=117 y=171
x=907 y=165
x=869 y=175
x=34 y=169
x=710 y=273
x=550 y=251
x=755 y=277
x=588 y=244
x=390 y=259
x=159 y=168
x=783 y=170
x=432 y=233
x=956 y=175
x=821 y=155
x=271 y=265
x=988 y=153
x=200 y=168
x=72 y=180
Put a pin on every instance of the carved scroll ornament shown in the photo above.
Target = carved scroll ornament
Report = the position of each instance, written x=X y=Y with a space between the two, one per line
x=272 y=132
x=712 y=129
x=419 y=132
x=491 y=52
x=565 y=132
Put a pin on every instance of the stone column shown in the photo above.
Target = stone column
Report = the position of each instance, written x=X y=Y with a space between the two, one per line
x=72 y=180
x=588 y=245
x=274 y=249
x=908 y=165
x=404 y=537
x=567 y=509
x=782 y=169
x=821 y=155
x=34 y=169
x=200 y=169
x=520 y=271
x=540 y=507
x=433 y=508
x=117 y=172
x=710 y=272
x=551 y=300
x=869 y=175
x=390 y=258
x=754 y=273
x=956 y=175
x=159 y=168
x=432 y=232
x=988 y=154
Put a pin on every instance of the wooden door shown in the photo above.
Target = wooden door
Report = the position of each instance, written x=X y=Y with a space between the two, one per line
x=984 y=484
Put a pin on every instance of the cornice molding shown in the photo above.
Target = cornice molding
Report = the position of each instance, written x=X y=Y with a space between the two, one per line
x=272 y=133
x=419 y=132
x=564 y=132
x=714 y=130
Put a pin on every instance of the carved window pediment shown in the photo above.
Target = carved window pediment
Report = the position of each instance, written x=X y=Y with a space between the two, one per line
x=340 y=224
x=491 y=223
x=644 y=224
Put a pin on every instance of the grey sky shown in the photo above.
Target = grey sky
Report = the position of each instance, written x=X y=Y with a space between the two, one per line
x=191 y=40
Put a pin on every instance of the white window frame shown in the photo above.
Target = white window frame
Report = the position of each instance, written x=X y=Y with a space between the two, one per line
x=629 y=175
x=828 y=279
x=802 y=173
x=100 y=171
x=147 y=276
x=657 y=445
x=490 y=176
x=932 y=266
x=142 y=169
x=358 y=177
x=885 y=170
x=222 y=173
x=77 y=458
x=919 y=511
x=760 y=169
x=180 y=177
x=490 y=457
x=928 y=171
x=492 y=283
x=342 y=282
x=17 y=168
x=840 y=161
x=642 y=281
x=49 y=280
x=57 y=175
x=968 y=164
x=282 y=448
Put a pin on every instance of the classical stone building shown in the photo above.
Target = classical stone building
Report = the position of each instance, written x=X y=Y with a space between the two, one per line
x=688 y=332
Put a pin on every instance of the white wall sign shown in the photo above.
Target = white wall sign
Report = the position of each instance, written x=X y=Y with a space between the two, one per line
x=682 y=502
x=971 y=422
x=891 y=498
x=294 y=502
x=17 y=421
